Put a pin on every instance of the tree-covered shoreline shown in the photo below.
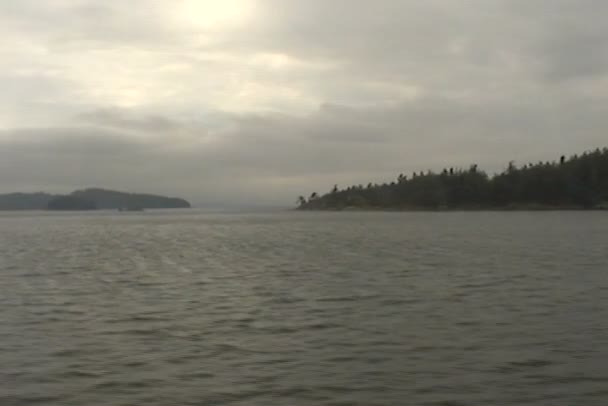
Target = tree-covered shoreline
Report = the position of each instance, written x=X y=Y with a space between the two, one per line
x=89 y=199
x=578 y=182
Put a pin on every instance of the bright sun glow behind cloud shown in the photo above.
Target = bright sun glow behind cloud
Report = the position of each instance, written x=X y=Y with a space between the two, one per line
x=272 y=98
x=214 y=14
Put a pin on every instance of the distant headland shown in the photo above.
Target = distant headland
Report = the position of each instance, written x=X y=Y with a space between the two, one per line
x=577 y=182
x=90 y=199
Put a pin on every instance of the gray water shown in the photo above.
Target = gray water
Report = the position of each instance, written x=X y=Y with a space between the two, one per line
x=188 y=308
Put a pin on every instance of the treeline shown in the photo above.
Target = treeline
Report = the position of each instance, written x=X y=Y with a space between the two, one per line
x=25 y=201
x=89 y=199
x=70 y=202
x=580 y=181
x=111 y=199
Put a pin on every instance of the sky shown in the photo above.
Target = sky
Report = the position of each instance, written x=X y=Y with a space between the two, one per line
x=259 y=101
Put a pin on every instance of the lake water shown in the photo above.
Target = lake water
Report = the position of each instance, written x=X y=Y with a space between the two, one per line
x=192 y=308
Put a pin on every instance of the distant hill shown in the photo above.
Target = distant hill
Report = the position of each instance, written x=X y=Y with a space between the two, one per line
x=25 y=201
x=80 y=199
x=110 y=199
x=70 y=202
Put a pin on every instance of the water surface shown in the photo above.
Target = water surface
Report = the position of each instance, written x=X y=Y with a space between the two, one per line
x=192 y=308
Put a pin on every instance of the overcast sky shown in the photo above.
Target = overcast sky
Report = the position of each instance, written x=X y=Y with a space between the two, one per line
x=258 y=101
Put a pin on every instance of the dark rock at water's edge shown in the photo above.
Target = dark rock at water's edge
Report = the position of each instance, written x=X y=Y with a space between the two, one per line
x=100 y=199
x=71 y=203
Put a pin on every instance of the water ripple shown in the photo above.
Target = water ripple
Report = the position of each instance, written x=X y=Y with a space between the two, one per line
x=188 y=308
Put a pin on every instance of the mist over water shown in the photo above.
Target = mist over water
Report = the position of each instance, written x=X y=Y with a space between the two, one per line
x=193 y=308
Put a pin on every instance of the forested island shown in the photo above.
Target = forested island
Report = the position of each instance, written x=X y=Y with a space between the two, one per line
x=70 y=203
x=578 y=182
x=89 y=199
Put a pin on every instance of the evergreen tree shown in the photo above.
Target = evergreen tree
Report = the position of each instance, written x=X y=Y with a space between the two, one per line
x=580 y=181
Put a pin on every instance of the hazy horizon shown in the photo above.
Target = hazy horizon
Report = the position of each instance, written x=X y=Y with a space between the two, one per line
x=259 y=101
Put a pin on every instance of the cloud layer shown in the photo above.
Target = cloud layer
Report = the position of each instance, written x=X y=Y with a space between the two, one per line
x=261 y=100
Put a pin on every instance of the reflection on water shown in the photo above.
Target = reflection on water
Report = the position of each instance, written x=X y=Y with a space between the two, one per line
x=187 y=308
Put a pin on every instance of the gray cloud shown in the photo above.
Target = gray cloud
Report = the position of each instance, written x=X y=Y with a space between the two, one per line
x=263 y=100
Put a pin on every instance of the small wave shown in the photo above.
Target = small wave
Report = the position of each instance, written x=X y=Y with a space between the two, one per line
x=83 y=374
x=225 y=348
x=568 y=379
x=531 y=363
x=353 y=298
x=69 y=352
x=517 y=366
x=196 y=375
x=30 y=399
x=118 y=385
